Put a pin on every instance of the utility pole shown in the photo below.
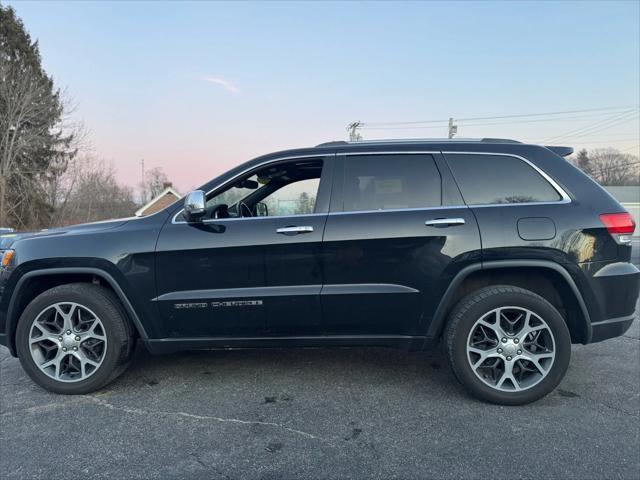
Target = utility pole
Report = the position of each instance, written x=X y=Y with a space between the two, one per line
x=143 y=192
x=352 y=128
x=453 y=129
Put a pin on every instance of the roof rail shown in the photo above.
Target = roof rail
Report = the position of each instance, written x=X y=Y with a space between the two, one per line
x=417 y=140
x=332 y=144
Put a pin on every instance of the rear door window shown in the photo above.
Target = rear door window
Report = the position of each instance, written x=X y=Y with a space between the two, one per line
x=499 y=179
x=389 y=182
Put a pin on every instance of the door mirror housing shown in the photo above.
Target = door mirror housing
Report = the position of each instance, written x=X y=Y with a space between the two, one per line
x=195 y=206
x=262 y=210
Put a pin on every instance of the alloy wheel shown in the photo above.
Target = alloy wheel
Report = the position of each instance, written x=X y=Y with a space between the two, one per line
x=67 y=342
x=511 y=349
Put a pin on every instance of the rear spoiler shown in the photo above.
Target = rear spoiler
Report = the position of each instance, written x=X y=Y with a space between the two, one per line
x=562 y=151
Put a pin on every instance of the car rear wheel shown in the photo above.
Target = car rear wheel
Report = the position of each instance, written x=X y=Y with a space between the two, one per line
x=74 y=338
x=507 y=345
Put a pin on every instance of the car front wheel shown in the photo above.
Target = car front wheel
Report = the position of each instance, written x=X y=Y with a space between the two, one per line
x=74 y=338
x=507 y=345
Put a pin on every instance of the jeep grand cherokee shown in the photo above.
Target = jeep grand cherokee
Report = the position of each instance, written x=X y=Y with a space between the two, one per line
x=503 y=252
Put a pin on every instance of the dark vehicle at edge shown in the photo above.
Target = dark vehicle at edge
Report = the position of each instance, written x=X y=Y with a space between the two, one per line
x=502 y=251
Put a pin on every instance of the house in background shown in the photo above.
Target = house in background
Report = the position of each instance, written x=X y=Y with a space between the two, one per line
x=629 y=198
x=160 y=201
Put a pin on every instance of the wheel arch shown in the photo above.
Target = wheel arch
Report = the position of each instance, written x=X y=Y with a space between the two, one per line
x=35 y=282
x=549 y=279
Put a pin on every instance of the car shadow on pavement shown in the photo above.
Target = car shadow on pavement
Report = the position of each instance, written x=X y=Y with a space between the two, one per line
x=321 y=413
x=315 y=367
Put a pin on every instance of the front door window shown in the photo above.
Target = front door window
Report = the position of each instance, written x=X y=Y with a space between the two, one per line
x=283 y=189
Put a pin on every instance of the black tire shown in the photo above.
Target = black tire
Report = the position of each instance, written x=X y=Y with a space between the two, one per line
x=473 y=307
x=118 y=330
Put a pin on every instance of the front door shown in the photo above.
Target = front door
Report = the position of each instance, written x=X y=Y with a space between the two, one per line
x=390 y=245
x=252 y=267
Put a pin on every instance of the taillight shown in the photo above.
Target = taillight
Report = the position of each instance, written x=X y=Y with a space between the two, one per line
x=620 y=225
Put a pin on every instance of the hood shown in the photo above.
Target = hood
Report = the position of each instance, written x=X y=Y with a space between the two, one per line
x=8 y=239
x=90 y=227
x=80 y=228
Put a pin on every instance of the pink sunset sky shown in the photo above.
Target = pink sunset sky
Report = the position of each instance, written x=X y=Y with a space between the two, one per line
x=196 y=88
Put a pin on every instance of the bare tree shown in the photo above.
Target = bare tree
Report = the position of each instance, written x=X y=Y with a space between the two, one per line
x=90 y=192
x=59 y=184
x=155 y=181
x=609 y=166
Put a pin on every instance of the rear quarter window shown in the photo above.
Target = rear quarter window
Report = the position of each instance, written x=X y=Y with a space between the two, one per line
x=499 y=179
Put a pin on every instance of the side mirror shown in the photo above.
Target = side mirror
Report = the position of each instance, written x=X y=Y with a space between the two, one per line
x=262 y=210
x=194 y=206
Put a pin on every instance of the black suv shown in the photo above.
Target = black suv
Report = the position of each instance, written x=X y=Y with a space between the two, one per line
x=504 y=251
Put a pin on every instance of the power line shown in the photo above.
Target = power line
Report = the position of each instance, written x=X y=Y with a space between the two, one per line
x=588 y=128
x=539 y=120
x=613 y=134
x=548 y=113
x=378 y=124
x=605 y=127
x=418 y=122
x=607 y=141
x=444 y=125
x=605 y=137
x=462 y=124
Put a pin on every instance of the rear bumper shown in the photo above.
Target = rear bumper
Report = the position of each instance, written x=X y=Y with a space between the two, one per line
x=613 y=327
x=615 y=290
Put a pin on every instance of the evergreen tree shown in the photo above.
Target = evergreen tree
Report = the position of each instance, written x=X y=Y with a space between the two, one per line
x=305 y=203
x=33 y=147
x=583 y=162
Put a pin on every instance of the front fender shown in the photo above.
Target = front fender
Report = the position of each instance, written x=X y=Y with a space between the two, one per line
x=15 y=307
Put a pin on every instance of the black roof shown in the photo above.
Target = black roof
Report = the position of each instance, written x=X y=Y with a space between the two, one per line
x=416 y=141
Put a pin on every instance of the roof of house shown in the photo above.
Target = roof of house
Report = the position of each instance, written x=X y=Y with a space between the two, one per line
x=159 y=202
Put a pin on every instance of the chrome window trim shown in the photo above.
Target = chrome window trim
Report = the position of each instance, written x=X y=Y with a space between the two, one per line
x=235 y=219
x=488 y=205
x=391 y=210
x=246 y=170
x=306 y=215
x=559 y=190
x=565 y=197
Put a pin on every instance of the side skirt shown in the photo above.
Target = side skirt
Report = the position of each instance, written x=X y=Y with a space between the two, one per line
x=169 y=345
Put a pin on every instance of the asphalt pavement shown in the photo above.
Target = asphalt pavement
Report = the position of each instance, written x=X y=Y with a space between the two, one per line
x=340 y=413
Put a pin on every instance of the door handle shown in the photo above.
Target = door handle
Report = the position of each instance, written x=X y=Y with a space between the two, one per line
x=294 y=230
x=444 y=222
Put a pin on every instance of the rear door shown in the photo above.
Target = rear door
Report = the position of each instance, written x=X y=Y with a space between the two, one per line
x=392 y=243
